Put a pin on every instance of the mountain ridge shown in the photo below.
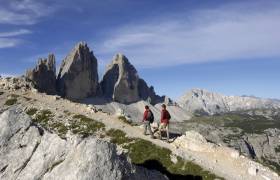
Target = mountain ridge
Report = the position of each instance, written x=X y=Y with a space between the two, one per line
x=212 y=103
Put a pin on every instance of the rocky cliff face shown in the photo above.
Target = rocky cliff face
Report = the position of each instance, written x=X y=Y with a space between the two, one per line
x=78 y=75
x=148 y=93
x=30 y=152
x=198 y=100
x=121 y=83
x=78 y=78
x=43 y=76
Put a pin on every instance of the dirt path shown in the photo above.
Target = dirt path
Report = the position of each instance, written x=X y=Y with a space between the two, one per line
x=218 y=161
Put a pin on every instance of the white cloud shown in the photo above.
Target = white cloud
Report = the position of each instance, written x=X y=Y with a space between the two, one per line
x=239 y=31
x=9 y=39
x=15 y=33
x=24 y=12
x=9 y=42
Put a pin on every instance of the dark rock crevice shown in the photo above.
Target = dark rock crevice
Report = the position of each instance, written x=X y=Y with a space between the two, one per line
x=156 y=165
x=21 y=168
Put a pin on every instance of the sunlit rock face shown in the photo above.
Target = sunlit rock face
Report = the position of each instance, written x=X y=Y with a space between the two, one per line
x=122 y=83
x=43 y=76
x=78 y=75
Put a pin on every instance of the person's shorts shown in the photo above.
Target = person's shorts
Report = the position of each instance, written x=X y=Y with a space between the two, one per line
x=163 y=126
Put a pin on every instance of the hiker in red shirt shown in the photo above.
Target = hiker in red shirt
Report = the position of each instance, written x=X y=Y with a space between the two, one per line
x=164 y=121
x=148 y=118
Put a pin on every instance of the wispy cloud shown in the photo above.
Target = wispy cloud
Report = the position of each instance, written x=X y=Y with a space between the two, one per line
x=15 y=33
x=10 y=39
x=24 y=12
x=237 y=31
x=8 y=42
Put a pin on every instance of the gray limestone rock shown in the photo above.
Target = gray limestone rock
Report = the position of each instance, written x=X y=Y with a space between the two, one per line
x=43 y=76
x=29 y=152
x=78 y=75
x=202 y=101
x=148 y=93
x=121 y=83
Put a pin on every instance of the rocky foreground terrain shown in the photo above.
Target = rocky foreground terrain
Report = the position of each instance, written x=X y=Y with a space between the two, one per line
x=45 y=136
x=73 y=126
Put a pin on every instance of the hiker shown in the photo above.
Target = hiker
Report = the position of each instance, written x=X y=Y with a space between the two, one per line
x=147 y=120
x=164 y=122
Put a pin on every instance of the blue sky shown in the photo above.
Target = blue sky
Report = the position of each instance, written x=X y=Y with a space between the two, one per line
x=231 y=47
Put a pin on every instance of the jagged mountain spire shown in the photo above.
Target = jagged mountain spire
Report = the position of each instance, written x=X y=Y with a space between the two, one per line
x=78 y=76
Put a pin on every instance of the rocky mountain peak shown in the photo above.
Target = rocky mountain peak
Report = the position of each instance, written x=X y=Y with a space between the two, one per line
x=120 y=58
x=43 y=76
x=212 y=103
x=78 y=76
x=120 y=81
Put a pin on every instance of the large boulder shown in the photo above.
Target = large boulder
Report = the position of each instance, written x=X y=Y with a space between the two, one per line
x=121 y=83
x=43 y=76
x=78 y=75
x=29 y=152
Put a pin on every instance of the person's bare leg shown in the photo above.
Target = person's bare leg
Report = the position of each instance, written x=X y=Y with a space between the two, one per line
x=150 y=130
x=167 y=132
x=145 y=127
x=160 y=131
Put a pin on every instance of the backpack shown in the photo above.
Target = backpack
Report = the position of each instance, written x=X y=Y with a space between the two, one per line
x=168 y=115
x=150 y=117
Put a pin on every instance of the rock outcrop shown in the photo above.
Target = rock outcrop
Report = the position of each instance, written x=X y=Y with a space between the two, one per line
x=43 y=76
x=29 y=152
x=78 y=75
x=196 y=143
x=15 y=83
x=202 y=101
x=148 y=93
x=121 y=83
x=265 y=146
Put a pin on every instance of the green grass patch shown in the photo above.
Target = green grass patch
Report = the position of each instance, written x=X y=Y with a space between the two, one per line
x=60 y=128
x=11 y=101
x=272 y=165
x=43 y=117
x=141 y=151
x=85 y=126
x=26 y=98
x=123 y=119
x=14 y=95
x=31 y=111
x=247 y=123
x=277 y=149
x=67 y=112
x=118 y=136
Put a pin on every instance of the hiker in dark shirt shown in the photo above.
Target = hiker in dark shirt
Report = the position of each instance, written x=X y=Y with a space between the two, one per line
x=148 y=118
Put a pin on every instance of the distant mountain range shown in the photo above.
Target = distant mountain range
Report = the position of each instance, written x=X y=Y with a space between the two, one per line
x=203 y=101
